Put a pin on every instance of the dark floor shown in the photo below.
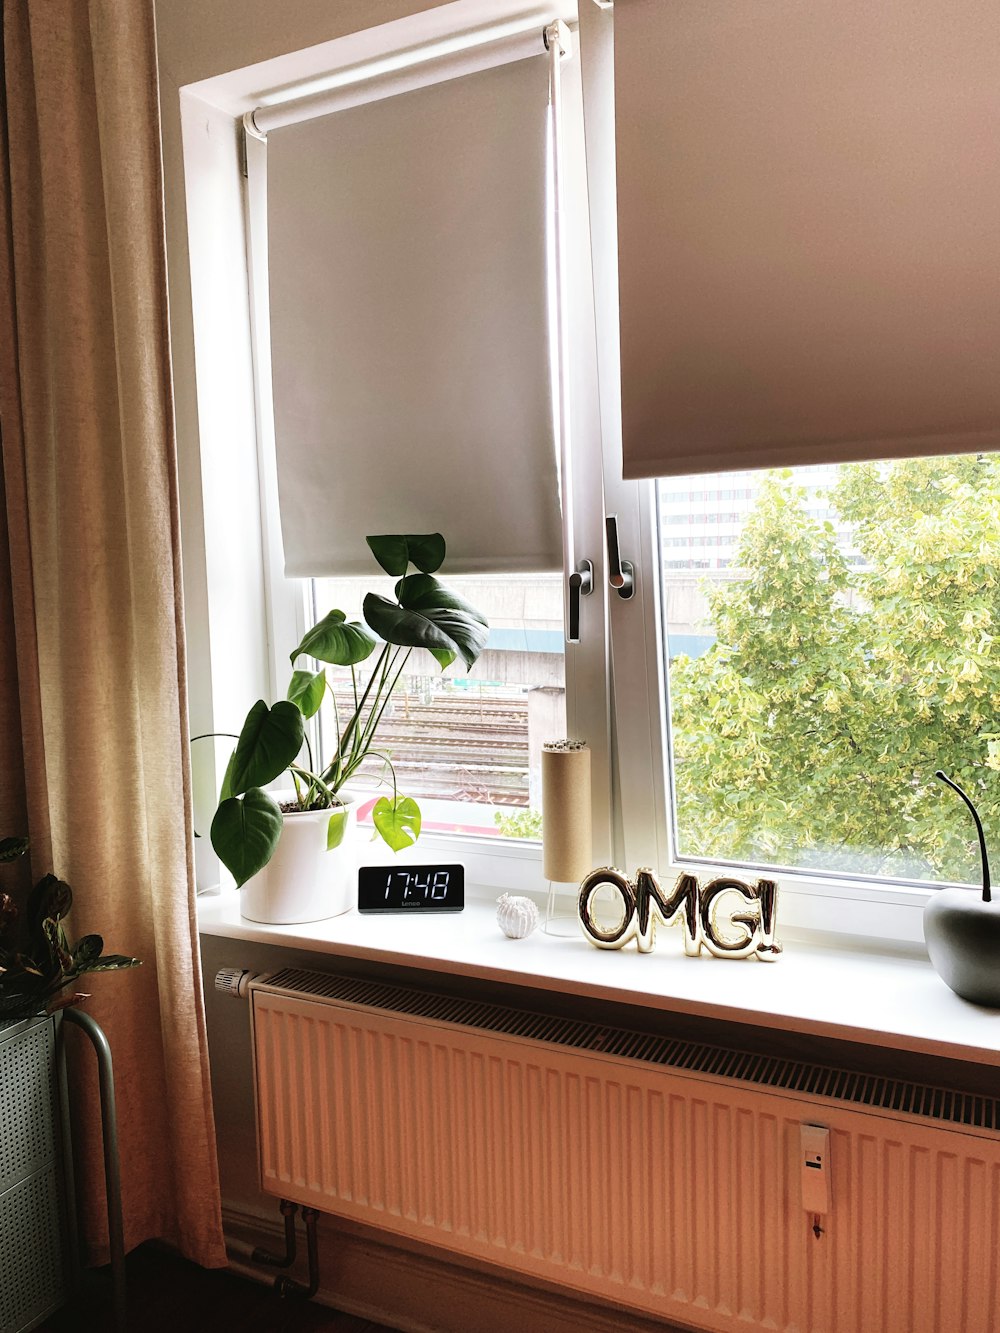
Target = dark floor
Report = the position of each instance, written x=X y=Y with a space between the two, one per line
x=169 y=1295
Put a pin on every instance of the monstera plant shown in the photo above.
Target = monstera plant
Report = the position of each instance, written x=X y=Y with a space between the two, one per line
x=423 y=614
x=39 y=962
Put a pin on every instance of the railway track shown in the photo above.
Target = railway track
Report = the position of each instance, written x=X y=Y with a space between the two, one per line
x=455 y=745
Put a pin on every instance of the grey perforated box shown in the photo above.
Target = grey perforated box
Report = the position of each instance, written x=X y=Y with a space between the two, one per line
x=32 y=1278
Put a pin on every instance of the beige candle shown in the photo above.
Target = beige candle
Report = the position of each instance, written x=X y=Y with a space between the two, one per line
x=567 y=844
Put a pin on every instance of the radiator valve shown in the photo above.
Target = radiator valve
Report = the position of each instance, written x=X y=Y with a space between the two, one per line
x=234 y=981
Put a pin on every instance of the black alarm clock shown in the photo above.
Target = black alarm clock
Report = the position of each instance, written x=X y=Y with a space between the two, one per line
x=430 y=888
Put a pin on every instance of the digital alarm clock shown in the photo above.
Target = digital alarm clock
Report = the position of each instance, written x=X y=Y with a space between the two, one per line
x=430 y=888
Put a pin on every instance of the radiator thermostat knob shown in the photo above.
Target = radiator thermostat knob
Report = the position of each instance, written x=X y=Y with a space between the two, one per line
x=234 y=981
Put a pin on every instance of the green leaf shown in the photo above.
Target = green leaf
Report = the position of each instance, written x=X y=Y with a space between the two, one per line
x=397 y=821
x=307 y=689
x=428 y=616
x=112 y=962
x=336 y=640
x=336 y=828
x=51 y=899
x=227 y=782
x=8 y=918
x=269 y=741
x=12 y=848
x=396 y=553
x=245 y=832
x=86 y=951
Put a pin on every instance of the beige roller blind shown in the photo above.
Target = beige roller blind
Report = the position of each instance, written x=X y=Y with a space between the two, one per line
x=409 y=326
x=809 y=230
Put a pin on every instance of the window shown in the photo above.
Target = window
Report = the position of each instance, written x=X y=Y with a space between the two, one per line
x=848 y=651
x=676 y=636
x=467 y=746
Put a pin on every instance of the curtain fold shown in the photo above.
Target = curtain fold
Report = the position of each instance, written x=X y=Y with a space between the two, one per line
x=94 y=580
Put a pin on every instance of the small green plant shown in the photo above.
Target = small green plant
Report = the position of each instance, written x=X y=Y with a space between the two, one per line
x=519 y=823
x=424 y=614
x=32 y=975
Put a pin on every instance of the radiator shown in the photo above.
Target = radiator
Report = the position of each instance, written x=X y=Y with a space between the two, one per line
x=660 y=1174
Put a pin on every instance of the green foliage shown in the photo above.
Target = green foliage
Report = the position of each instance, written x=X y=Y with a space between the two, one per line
x=396 y=553
x=33 y=972
x=245 y=832
x=12 y=848
x=425 y=614
x=397 y=821
x=810 y=732
x=519 y=823
x=336 y=640
x=268 y=743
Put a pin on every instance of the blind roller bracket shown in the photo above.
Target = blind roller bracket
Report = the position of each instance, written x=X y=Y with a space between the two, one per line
x=249 y=130
x=557 y=35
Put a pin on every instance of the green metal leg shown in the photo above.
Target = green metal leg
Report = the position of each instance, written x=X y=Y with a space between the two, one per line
x=112 y=1170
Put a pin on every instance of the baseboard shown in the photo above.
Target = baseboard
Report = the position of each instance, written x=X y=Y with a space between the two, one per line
x=416 y=1289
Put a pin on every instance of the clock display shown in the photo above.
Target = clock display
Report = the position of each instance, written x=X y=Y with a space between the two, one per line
x=435 y=888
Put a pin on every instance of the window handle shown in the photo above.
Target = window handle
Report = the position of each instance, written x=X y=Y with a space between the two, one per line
x=581 y=584
x=621 y=574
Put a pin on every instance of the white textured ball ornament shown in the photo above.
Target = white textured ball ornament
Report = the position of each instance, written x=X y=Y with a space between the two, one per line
x=516 y=917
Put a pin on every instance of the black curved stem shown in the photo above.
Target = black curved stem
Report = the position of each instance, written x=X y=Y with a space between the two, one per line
x=984 y=859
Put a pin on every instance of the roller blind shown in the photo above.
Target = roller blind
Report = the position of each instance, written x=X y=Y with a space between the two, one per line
x=409 y=328
x=809 y=230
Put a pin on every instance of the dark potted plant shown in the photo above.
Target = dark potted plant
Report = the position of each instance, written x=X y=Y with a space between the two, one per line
x=276 y=848
x=38 y=963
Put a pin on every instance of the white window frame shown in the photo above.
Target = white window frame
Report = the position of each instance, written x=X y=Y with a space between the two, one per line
x=839 y=909
x=614 y=696
x=500 y=863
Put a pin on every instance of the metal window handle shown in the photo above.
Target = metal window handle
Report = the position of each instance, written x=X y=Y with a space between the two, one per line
x=621 y=574
x=581 y=584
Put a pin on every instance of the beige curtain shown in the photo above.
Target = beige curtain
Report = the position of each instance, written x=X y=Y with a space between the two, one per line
x=93 y=580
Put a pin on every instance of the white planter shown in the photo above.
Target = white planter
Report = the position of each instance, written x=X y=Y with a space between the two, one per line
x=303 y=881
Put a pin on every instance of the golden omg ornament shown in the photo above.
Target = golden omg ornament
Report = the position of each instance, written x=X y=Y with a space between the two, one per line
x=697 y=909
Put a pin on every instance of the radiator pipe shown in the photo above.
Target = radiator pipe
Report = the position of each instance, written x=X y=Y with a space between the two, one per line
x=286 y=1286
x=262 y=1256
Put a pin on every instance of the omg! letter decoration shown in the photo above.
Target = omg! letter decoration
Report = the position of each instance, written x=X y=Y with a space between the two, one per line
x=697 y=910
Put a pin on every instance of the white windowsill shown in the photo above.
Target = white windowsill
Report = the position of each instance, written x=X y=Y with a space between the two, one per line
x=897 y=1002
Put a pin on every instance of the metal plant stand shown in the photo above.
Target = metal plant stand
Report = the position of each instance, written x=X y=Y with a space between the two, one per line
x=112 y=1170
x=32 y=1264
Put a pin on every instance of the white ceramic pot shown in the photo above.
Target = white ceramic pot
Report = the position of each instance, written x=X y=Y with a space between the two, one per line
x=304 y=881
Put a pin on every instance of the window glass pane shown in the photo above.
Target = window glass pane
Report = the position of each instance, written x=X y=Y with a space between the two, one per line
x=831 y=635
x=467 y=746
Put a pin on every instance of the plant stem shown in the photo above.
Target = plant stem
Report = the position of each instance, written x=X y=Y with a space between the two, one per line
x=983 y=858
x=335 y=777
x=373 y=725
x=352 y=726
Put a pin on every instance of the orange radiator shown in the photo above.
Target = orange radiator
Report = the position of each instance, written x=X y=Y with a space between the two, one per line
x=663 y=1174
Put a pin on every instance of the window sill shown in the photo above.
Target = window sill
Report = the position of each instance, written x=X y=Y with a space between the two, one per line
x=837 y=993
